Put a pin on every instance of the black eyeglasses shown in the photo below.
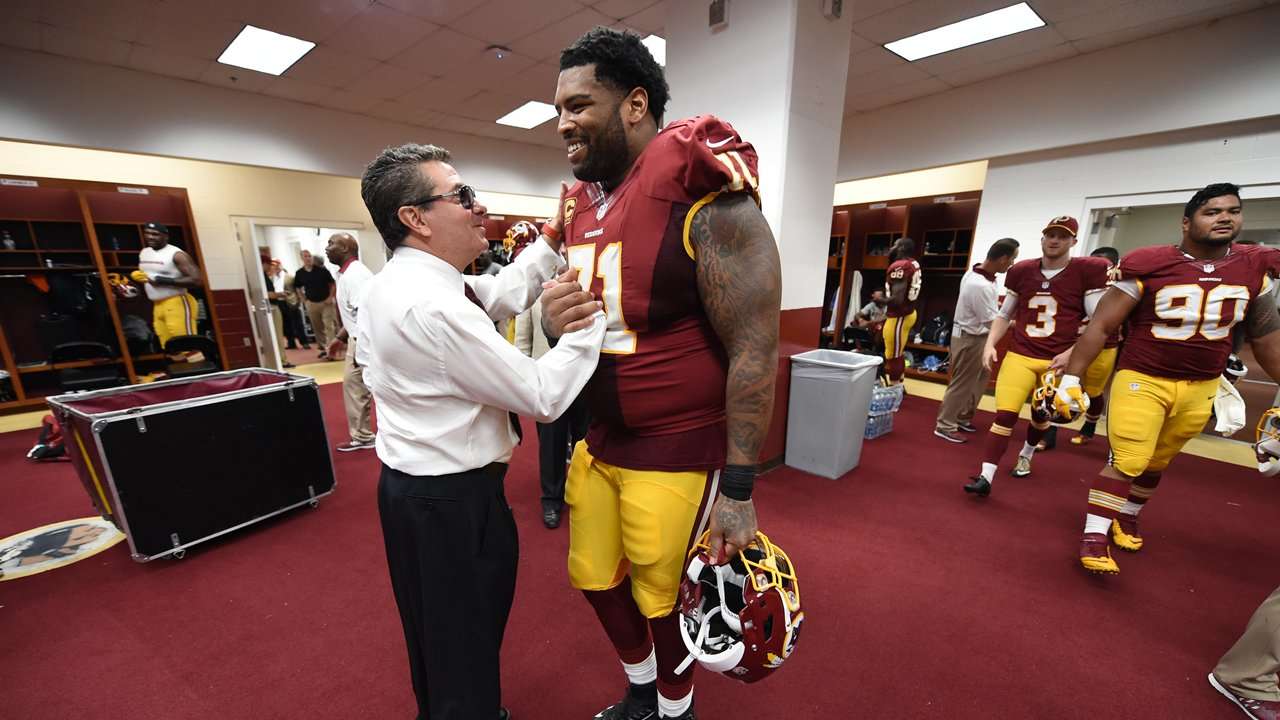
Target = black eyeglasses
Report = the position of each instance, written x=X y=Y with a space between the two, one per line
x=465 y=193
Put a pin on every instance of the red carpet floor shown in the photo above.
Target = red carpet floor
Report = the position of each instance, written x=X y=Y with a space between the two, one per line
x=921 y=602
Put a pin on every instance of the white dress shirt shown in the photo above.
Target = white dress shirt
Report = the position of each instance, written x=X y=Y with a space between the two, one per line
x=976 y=306
x=353 y=282
x=443 y=379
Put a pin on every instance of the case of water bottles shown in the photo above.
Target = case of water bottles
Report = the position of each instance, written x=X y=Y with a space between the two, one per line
x=885 y=401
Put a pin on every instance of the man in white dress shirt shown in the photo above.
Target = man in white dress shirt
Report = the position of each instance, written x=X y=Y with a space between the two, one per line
x=353 y=278
x=446 y=386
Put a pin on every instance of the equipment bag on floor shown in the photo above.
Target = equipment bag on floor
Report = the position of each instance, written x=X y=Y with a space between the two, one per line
x=49 y=446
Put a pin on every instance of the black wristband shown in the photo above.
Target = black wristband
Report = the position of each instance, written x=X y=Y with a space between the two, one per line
x=737 y=481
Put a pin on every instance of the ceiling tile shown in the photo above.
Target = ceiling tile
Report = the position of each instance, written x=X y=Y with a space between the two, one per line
x=1005 y=66
x=873 y=59
x=188 y=28
x=1121 y=16
x=395 y=111
x=235 y=78
x=534 y=83
x=857 y=43
x=920 y=16
x=486 y=70
x=884 y=96
x=546 y=44
x=441 y=94
x=1120 y=36
x=991 y=51
x=487 y=105
x=84 y=46
x=1059 y=10
x=349 y=100
x=438 y=12
x=546 y=134
x=619 y=9
x=650 y=20
x=389 y=82
x=331 y=67
x=294 y=89
x=165 y=62
x=380 y=32
x=438 y=52
x=22 y=9
x=884 y=78
x=314 y=20
x=22 y=33
x=117 y=20
x=864 y=9
x=501 y=23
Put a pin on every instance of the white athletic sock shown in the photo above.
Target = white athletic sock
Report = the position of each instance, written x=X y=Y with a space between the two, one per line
x=1096 y=524
x=1027 y=450
x=674 y=708
x=1131 y=508
x=645 y=671
x=988 y=471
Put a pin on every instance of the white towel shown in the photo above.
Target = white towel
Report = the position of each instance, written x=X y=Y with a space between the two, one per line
x=1228 y=408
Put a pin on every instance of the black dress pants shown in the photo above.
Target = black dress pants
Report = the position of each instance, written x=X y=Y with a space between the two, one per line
x=452 y=551
x=554 y=441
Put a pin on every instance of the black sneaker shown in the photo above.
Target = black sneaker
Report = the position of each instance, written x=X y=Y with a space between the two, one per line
x=503 y=714
x=979 y=486
x=967 y=427
x=640 y=703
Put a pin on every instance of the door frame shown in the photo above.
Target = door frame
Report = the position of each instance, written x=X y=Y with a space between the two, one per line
x=244 y=229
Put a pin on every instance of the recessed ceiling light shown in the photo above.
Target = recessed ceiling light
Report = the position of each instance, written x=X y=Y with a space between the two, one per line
x=264 y=51
x=992 y=25
x=528 y=115
x=657 y=47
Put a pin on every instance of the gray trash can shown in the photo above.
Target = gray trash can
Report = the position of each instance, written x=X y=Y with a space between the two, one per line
x=827 y=411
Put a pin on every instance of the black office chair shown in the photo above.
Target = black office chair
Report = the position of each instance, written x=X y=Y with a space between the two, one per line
x=190 y=343
x=93 y=377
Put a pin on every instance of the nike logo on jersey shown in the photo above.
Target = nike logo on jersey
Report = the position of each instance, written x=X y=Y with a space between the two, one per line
x=718 y=143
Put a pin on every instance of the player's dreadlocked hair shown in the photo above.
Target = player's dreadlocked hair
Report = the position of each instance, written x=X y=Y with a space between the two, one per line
x=622 y=62
x=1210 y=192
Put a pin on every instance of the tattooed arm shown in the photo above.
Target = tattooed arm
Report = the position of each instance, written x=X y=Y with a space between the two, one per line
x=1263 y=323
x=740 y=284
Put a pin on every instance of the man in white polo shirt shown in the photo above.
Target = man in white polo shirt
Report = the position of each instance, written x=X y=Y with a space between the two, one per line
x=353 y=278
x=975 y=309
x=447 y=386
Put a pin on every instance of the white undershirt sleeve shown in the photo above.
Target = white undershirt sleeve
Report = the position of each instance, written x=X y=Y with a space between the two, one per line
x=1010 y=305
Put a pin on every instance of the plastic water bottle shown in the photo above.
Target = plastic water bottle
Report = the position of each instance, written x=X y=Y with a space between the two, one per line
x=9 y=244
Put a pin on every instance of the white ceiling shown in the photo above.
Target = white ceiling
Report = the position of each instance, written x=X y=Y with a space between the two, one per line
x=423 y=62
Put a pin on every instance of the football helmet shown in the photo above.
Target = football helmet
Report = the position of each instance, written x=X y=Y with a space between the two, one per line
x=518 y=237
x=741 y=618
x=122 y=287
x=1062 y=401
x=1267 y=446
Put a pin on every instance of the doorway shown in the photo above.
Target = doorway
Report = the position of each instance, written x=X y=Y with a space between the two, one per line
x=284 y=240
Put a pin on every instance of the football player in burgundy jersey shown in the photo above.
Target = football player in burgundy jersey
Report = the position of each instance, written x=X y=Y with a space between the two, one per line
x=1100 y=370
x=1046 y=300
x=1181 y=302
x=902 y=283
x=665 y=227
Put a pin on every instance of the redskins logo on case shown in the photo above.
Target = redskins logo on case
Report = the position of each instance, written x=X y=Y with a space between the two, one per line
x=570 y=204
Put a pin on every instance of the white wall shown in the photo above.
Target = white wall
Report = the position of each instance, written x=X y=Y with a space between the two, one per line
x=1023 y=192
x=51 y=99
x=1221 y=72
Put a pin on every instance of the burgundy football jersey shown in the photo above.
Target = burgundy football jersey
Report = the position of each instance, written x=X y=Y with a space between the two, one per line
x=1181 y=328
x=657 y=398
x=1051 y=310
x=906 y=270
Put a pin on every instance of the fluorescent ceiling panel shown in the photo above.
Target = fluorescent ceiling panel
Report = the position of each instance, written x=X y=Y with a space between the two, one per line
x=995 y=24
x=657 y=47
x=264 y=51
x=528 y=115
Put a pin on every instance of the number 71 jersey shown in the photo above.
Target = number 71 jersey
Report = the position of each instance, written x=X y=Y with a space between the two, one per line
x=657 y=398
x=1181 y=328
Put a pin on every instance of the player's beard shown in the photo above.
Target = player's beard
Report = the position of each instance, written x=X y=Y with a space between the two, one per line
x=606 y=152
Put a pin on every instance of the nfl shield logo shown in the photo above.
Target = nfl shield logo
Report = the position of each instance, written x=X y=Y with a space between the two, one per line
x=1208 y=267
x=1044 y=285
x=600 y=211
